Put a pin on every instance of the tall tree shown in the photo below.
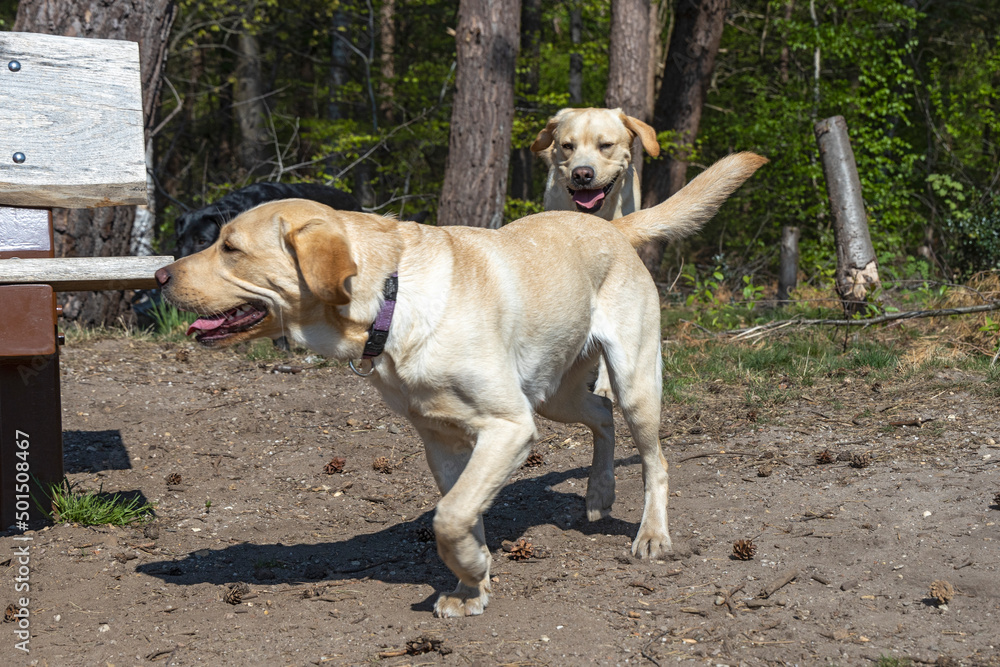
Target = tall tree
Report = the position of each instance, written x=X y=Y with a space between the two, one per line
x=628 y=65
x=475 y=179
x=521 y=186
x=249 y=105
x=628 y=58
x=575 y=57
x=103 y=232
x=387 y=67
x=694 y=44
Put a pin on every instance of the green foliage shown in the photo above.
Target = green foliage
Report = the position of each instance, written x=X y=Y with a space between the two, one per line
x=920 y=90
x=975 y=234
x=95 y=509
x=715 y=304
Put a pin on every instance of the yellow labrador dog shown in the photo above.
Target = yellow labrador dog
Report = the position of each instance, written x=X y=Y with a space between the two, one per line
x=589 y=154
x=488 y=327
x=591 y=170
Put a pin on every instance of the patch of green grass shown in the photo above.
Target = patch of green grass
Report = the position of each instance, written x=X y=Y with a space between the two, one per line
x=889 y=661
x=171 y=323
x=95 y=509
x=874 y=355
x=263 y=349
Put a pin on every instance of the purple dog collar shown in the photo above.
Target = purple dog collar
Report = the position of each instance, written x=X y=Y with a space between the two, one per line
x=378 y=333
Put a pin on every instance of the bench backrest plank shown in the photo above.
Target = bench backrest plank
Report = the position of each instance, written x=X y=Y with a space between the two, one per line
x=73 y=108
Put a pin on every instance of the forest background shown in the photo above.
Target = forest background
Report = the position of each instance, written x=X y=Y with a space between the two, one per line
x=360 y=95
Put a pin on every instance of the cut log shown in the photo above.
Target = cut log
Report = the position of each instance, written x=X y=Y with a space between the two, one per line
x=71 y=274
x=71 y=118
x=857 y=267
x=788 y=270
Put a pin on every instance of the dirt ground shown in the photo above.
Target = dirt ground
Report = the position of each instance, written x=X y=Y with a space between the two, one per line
x=341 y=568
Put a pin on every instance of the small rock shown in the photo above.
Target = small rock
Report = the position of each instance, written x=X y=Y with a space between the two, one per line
x=848 y=585
x=394 y=429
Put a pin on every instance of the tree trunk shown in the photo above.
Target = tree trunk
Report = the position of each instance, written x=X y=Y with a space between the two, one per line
x=857 y=267
x=628 y=66
x=340 y=59
x=688 y=69
x=248 y=101
x=521 y=186
x=103 y=232
x=387 y=67
x=659 y=14
x=475 y=178
x=576 y=58
x=628 y=58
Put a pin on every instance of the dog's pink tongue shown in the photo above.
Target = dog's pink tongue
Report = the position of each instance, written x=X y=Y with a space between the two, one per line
x=588 y=199
x=206 y=324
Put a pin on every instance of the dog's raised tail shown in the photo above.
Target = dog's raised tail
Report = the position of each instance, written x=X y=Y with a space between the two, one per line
x=694 y=205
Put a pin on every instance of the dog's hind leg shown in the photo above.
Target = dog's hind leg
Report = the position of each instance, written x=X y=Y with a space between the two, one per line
x=602 y=387
x=635 y=366
x=469 y=480
x=573 y=403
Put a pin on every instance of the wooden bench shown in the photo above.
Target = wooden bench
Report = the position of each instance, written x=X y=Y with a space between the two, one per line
x=71 y=136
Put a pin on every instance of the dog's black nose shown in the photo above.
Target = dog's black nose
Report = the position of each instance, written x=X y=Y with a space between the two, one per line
x=162 y=276
x=582 y=176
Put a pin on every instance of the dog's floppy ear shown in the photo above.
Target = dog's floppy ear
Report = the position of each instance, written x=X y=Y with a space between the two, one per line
x=645 y=133
x=546 y=136
x=324 y=258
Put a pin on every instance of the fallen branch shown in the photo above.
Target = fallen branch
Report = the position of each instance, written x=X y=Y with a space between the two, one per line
x=785 y=579
x=865 y=322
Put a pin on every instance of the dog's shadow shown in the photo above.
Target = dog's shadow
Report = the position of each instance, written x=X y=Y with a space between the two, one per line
x=402 y=553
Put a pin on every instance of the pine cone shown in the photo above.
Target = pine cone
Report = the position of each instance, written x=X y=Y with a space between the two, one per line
x=862 y=460
x=520 y=550
x=383 y=465
x=235 y=593
x=534 y=460
x=824 y=457
x=996 y=499
x=764 y=471
x=942 y=591
x=173 y=479
x=422 y=645
x=744 y=549
x=9 y=614
x=424 y=534
x=336 y=465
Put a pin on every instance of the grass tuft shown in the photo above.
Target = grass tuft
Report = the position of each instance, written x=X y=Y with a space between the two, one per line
x=171 y=323
x=95 y=509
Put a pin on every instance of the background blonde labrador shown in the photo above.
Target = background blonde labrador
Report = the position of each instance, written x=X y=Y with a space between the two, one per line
x=482 y=339
x=592 y=170
x=591 y=166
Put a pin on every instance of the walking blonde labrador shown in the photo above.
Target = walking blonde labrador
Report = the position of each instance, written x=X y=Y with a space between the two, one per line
x=489 y=328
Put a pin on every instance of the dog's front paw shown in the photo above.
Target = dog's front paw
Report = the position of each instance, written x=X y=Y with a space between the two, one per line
x=652 y=544
x=463 y=601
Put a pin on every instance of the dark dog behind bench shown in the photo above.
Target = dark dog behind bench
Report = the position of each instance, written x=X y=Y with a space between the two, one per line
x=196 y=230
